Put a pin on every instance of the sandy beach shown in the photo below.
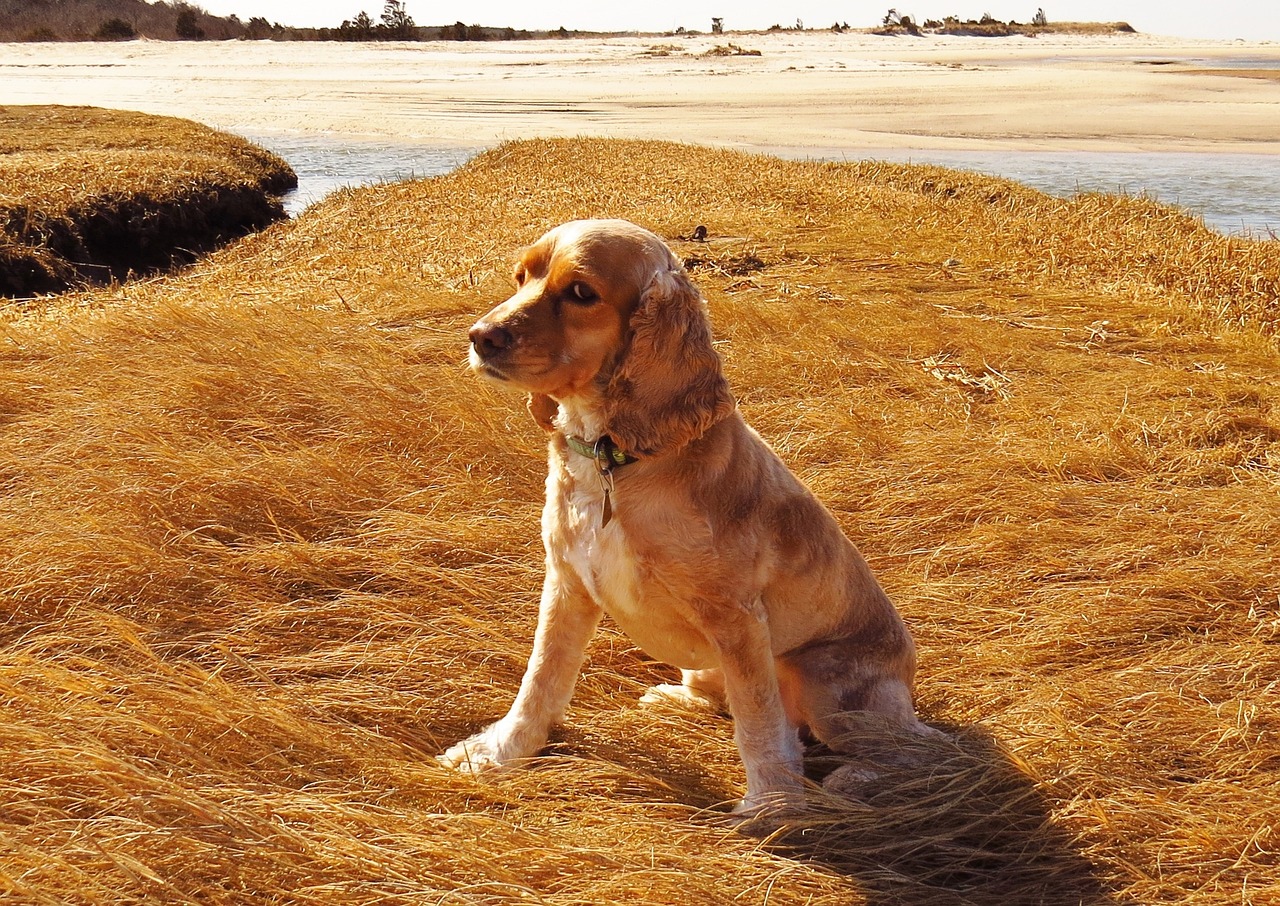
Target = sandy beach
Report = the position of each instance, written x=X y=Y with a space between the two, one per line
x=818 y=92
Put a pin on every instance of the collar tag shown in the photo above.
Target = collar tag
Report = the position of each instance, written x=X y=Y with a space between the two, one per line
x=606 y=457
x=606 y=481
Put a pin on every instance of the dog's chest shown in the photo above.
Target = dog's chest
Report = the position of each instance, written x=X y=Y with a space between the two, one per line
x=599 y=552
x=607 y=563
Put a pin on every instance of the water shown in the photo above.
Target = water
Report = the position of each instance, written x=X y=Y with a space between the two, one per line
x=1236 y=194
x=329 y=163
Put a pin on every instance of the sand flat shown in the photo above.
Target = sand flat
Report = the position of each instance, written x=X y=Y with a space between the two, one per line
x=809 y=90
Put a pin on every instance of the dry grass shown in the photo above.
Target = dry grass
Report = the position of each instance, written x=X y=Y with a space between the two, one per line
x=268 y=548
x=88 y=195
x=731 y=50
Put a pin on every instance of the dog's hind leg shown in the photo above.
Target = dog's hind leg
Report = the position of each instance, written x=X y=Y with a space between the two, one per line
x=701 y=690
x=846 y=693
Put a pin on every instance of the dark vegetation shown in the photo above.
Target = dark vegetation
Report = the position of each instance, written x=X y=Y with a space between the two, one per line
x=111 y=20
x=90 y=195
x=896 y=23
x=123 y=20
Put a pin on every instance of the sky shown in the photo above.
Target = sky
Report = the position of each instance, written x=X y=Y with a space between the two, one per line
x=1257 y=20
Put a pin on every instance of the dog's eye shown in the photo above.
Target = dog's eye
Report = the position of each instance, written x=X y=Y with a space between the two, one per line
x=582 y=294
x=521 y=276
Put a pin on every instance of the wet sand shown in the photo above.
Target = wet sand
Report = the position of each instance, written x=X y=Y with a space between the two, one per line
x=817 y=91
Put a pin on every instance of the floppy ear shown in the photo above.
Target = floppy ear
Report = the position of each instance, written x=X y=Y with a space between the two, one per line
x=669 y=388
x=543 y=409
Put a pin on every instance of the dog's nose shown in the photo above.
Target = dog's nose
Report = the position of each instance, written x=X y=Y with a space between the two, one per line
x=489 y=339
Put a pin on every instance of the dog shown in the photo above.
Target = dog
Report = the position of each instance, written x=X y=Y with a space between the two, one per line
x=665 y=510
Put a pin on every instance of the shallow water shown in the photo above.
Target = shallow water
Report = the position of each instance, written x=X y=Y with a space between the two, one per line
x=1236 y=194
x=326 y=164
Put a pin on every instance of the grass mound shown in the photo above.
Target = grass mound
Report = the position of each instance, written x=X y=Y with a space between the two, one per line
x=268 y=548
x=91 y=195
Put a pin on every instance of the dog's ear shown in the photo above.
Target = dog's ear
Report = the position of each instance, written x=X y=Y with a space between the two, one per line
x=668 y=388
x=543 y=409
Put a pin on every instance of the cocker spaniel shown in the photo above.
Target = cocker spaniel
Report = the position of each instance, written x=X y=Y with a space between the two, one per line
x=665 y=510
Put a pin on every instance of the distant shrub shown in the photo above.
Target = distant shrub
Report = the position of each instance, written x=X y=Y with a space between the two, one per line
x=397 y=24
x=115 y=30
x=259 y=29
x=358 y=29
x=188 y=27
x=41 y=34
x=460 y=31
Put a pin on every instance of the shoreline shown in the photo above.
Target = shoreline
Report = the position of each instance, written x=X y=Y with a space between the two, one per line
x=817 y=91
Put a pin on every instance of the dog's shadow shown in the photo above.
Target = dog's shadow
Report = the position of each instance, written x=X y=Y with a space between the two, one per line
x=939 y=821
x=913 y=821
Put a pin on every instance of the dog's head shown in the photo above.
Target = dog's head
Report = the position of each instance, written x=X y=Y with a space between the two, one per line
x=604 y=311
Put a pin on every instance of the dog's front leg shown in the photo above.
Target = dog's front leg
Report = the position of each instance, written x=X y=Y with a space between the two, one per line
x=567 y=619
x=768 y=743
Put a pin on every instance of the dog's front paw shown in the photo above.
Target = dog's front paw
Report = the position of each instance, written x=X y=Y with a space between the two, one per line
x=489 y=750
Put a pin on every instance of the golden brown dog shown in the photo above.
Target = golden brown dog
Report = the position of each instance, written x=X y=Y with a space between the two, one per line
x=668 y=512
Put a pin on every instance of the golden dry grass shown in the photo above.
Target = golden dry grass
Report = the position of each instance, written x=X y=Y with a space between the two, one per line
x=268 y=548
x=88 y=194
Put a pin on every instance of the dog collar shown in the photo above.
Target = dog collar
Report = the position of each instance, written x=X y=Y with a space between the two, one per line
x=604 y=452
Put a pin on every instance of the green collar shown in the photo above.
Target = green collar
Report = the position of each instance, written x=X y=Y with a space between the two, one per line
x=606 y=454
